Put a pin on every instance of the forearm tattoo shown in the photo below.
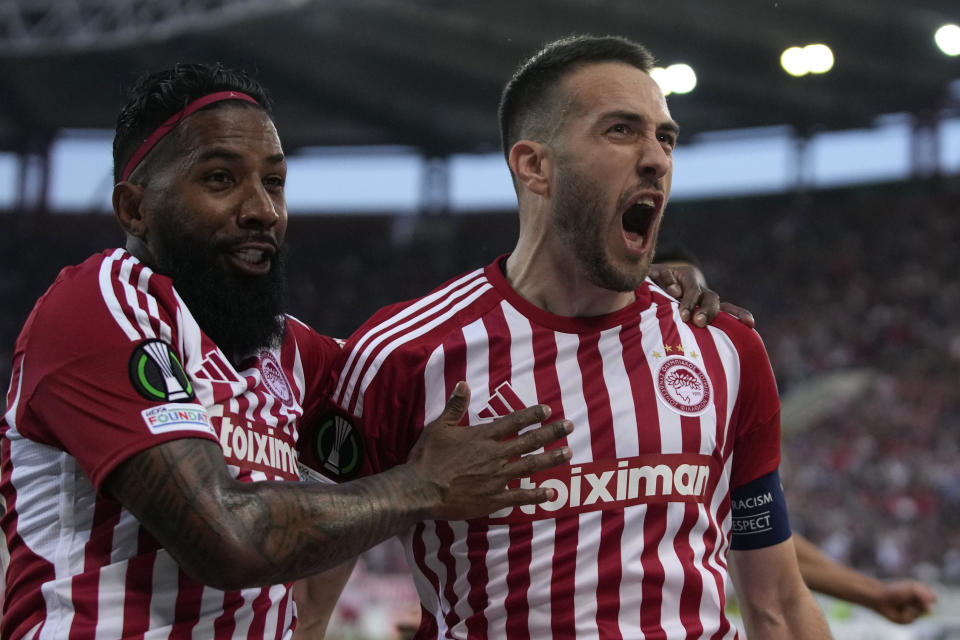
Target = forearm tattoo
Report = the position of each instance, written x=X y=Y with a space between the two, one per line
x=258 y=533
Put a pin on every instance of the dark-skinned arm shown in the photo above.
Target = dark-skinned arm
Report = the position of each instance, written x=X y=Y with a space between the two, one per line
x=231 y=534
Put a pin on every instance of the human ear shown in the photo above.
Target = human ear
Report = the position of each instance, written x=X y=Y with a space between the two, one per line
x=127 y=201
x=531 y=164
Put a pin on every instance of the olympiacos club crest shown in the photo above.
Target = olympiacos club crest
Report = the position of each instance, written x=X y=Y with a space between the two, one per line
x=274 y=379
x=683 y=386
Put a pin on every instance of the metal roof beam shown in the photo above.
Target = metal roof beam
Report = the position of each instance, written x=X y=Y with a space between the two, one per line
x=40 y=27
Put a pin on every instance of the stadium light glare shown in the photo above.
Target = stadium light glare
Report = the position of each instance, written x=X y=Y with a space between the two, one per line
x=819 y=58
x=677 y=78
x=682 y=77
x=661 y=77
x=813 y=58
x=793 y=62
x=947 y=38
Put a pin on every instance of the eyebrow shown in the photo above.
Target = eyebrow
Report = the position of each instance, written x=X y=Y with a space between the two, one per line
x=667 y=125
x=223 y=153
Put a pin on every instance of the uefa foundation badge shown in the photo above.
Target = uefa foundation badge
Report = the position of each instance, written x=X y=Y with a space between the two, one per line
x=682 y=386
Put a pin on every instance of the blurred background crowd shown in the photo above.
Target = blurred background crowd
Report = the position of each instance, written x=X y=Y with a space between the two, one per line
x=856 y=289
x=856 y=293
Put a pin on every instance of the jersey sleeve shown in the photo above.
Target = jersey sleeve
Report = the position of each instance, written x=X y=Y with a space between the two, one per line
x=756 y=415
x=100 y=373
x=368 y=426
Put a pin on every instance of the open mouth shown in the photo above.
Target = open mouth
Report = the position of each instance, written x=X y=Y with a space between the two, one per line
x=637 y=220
x=254 y=259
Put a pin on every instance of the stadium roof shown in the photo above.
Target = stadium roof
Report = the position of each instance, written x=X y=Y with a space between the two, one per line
x=428 y=73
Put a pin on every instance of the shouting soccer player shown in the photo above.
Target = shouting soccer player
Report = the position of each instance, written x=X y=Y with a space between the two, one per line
x=674 y=471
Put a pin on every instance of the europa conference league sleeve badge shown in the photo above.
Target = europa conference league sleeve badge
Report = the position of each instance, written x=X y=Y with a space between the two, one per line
x=337 y=447
x=157 y=374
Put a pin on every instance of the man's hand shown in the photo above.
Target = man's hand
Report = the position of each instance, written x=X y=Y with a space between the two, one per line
x=468 y=468
x=687 y=283
x=903 y=601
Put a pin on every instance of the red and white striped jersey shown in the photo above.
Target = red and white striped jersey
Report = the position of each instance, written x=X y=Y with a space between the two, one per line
x=668 y=418
x=109 y=363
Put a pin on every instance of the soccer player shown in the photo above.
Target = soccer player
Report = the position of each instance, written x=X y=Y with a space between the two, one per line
x=148 y=455
x=673 y=480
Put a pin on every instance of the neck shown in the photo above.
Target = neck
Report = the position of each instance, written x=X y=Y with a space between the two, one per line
x=542 y=272
x=139 y=250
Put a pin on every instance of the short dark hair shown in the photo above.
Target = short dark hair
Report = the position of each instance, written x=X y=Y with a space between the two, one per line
x=158 y=95
x=525 y=108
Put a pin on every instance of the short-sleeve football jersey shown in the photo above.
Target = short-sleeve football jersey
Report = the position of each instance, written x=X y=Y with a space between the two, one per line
x=668 y=418
x=111 y=362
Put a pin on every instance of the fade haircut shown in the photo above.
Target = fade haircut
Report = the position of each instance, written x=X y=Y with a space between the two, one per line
x=159 y=95
x=528 y=105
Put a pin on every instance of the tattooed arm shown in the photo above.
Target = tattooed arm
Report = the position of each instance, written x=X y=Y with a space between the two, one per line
x=231 y=534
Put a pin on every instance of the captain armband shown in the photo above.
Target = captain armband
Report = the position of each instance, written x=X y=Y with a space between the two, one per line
x=759 y=513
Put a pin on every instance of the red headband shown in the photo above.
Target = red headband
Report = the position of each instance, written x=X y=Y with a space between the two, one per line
x=176 y=119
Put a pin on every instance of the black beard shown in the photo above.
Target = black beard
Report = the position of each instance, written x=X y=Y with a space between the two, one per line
x=241 y=313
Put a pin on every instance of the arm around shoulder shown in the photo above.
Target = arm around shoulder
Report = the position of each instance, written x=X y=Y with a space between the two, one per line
x=231 y=534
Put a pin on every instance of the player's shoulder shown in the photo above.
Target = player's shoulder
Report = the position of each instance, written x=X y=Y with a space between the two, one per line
x=423 y=322
x=77 y=289
x=746 y=340
x=76 y=314
x=308 y=338
x=397 y=342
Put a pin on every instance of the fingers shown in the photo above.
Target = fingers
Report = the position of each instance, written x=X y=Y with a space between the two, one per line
x=530 y=464
x=905 y=601
x=663 y=276
x=537 y=438
x=741 y=314
x=518 y=497
x=516 y=421
x=920 y=596
x=456 y=405
x=902 y=615
x=692 y=291
x=708 y=309
x=696 y=294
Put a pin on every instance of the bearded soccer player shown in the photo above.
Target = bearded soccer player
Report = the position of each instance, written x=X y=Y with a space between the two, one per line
x=148 y=451
x=674 y=471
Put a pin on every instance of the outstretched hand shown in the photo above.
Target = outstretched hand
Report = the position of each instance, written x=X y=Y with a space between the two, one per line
x=468 y=468
x=687 y=283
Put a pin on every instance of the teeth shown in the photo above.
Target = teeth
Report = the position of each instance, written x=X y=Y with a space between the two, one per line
x=253 y=256
x=646 y=202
